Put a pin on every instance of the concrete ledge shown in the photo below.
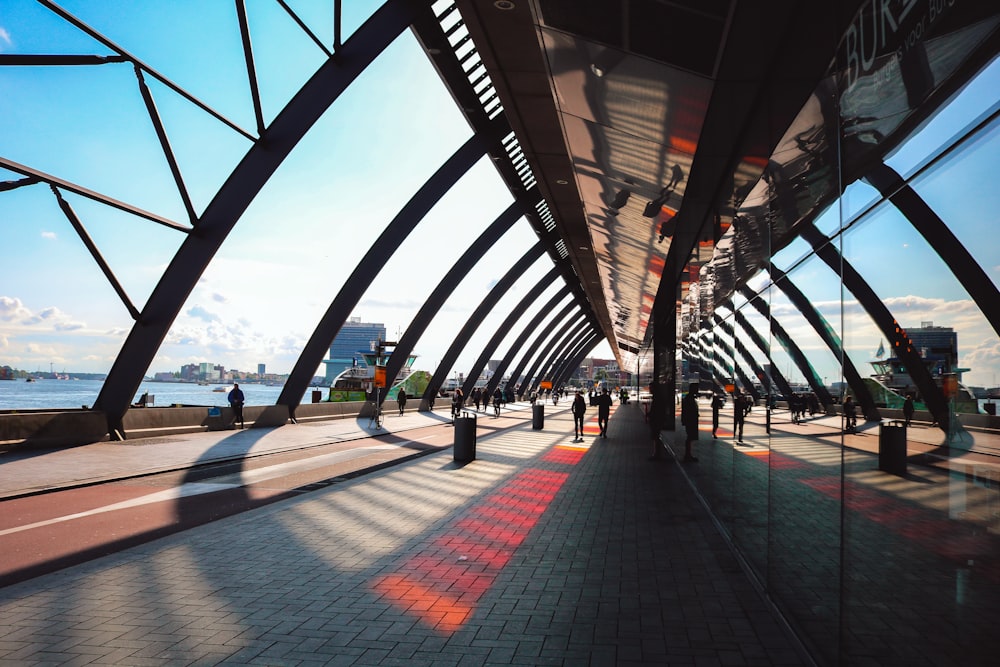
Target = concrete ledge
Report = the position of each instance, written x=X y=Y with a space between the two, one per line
x=63 y=428
x=318 y=411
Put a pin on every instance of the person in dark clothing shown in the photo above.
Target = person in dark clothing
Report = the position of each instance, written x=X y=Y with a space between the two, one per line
x=689 y=418
x=236 y=399
x=603 y=402
x=717 y=403
x=497 y=402
x=739 y=414
x=401 y=399
x=658 y=404
x=850 y=415
x=579 y=409
x=908 y=408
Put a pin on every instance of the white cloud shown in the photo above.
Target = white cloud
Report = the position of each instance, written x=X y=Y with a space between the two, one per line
x=12 y=309
x=5 y=39
x=49 y=235
x=201 y=313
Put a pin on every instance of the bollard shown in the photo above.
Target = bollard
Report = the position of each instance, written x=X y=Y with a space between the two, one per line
x=538 y=416
x=892 y=446
x=464 y=449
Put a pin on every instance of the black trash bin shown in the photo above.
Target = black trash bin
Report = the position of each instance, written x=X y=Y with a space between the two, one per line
x=892 y=446
x=538 y=416
x=465 y=438
x=317 y=396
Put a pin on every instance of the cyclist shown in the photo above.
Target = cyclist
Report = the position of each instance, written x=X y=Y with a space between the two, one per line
x=850 y=415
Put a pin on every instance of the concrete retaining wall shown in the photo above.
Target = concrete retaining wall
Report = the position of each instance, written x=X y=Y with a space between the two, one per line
x=67 y=428
x=63 y=428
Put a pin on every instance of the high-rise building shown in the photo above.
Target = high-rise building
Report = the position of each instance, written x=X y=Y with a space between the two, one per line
x=938 y=347
x=353 y=338
x=261 y=370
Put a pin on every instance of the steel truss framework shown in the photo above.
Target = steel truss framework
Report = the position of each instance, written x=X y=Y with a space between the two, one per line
x=270 y=143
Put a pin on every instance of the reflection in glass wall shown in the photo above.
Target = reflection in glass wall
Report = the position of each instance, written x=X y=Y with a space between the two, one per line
x=854 y=302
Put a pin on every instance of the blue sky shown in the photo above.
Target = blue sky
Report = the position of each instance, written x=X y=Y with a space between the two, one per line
x=286 y=259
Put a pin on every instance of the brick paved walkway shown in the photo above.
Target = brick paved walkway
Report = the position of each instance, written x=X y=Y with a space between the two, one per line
x=542 y=551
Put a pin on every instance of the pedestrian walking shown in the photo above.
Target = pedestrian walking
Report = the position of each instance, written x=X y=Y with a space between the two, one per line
x=717 y=402
x=401 y=399
x=689 y=418
x=603 y=411
x=739 y=415
x=908 y=408
x=579 y=409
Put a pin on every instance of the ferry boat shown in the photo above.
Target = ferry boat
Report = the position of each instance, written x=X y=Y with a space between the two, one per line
x=891 y=382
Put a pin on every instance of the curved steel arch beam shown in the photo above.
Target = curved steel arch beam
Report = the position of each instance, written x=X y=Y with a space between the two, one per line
x=476 y=318
x=523 y=336
x=371 y=264
x=504 y=329
x=880 y=314
x=233 y=198
x=939 y=237
x=536 y=344
x=761 y=344
x=566 y=366
x=585 y=349
x=446 y=286
x=748 y=359
x=574 y=357
x=825 y=331
x=790 y=346
x=566 y=352
x=546 y=350
x=559 y=343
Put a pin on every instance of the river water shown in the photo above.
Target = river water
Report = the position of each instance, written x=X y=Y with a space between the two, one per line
x=62 y=394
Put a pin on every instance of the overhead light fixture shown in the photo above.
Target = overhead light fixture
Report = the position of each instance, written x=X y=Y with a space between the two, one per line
x=561 y=181
x=505 y=5
x=597 y=70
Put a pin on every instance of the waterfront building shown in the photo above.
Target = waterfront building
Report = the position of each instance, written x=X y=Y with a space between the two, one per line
x=348 y=348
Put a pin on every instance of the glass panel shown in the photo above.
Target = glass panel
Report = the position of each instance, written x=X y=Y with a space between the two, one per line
x=973 y=102
x=804 y=460
x=749 y=444
x=917 y=516
x=961 y=192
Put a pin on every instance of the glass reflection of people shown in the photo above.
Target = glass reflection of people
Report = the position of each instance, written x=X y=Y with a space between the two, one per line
x=850 y=414
x=908 y=408
x=689 y=418
x=717 y=403
x=658 y=404
x=739 y=414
